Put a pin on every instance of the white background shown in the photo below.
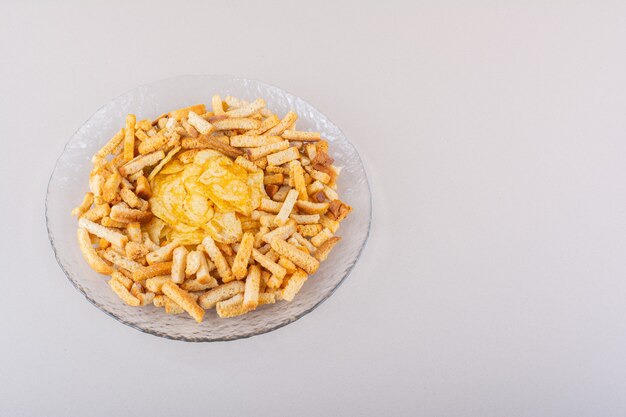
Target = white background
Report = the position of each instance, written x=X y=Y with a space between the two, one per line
x=493 y=283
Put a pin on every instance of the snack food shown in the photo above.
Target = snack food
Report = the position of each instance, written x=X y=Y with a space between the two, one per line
x=228 y=209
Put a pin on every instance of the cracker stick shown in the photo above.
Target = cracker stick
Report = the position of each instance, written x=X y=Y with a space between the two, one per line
x=111 y=144
x=271 y=190
x=311 y=150
x=210 y=117
x=184 y=112
x=281 y=194
x=220 y=293
x=140 y=162
x=203 y=275
x=147 y=242
x=231 y=308
x=301 y=136
x=129 y=138
x=136 y=289
x=314 y=187
x=108 y=222
x=189 y=129
x=324 y=249
x=330 y=193
x=223 y=270
x=261 y=151
x=272 y=255
x=188 y=156
x=211 y=142
x=268 y=264
x=131 y=198
x=246 y=163
x=273 y=179
x=258 y=238
x=270 y=205
x=239 y=123
x=274 y=282
x=123 y=293
x=110 y=235
x=152 y=144
x=164 y=253
x=201 y=125
x=251 y=292
x=301 y=259
x=261 y=162
x=171 y=307
x=141 y=135
x=267 y=220
x=121 y=261
x=154 y=228
x=136 y=251
x=234 y=102
x=318 y=197
x=266 y=125
x=283 y=157
x=183 y=299
x=273 y=169
x=162 y=163
x=266 y=298
x=156 y=269
x=96 y=182
x=311 y=208
x=154 y=284
x=179 y=259
x=145 y=298
x=240 y=264
x=123 y=279
x=297 y=175
x=123 y=214
x=306 y=218
x=308 y=230
x=84 y=206
x=127 y=184
x=293 y=286
x=134 y=177
x=282 y=232
x=234 y=306
x=253 y=141
x=257 y=214
x=248 y=225
x=97 y=212
x=321 y=237
x=193 y=263
x=330 y=224
x=159 y=300
x=320 y=176
x=286 y=208
x=289 y=119
x=218 y=106
x=109 y=189
x=248 y=109
x=89 y=253
x=337 y=210
x=304 y=242
x=194 y=285
x=288 y=265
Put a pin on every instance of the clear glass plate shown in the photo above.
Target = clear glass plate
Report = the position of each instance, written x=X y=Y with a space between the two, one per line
x=69 y=182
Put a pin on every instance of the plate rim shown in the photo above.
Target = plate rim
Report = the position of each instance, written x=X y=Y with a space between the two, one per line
x=156 y=333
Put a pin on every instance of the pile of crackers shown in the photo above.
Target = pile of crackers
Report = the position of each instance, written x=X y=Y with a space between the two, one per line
x=276 y=247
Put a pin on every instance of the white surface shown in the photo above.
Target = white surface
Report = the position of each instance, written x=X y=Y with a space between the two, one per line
x=494 y=281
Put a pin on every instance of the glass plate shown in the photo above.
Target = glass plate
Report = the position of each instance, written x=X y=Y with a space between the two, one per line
x=69 y=182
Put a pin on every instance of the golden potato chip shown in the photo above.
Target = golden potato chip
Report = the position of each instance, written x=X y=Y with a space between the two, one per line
x=225 y=228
